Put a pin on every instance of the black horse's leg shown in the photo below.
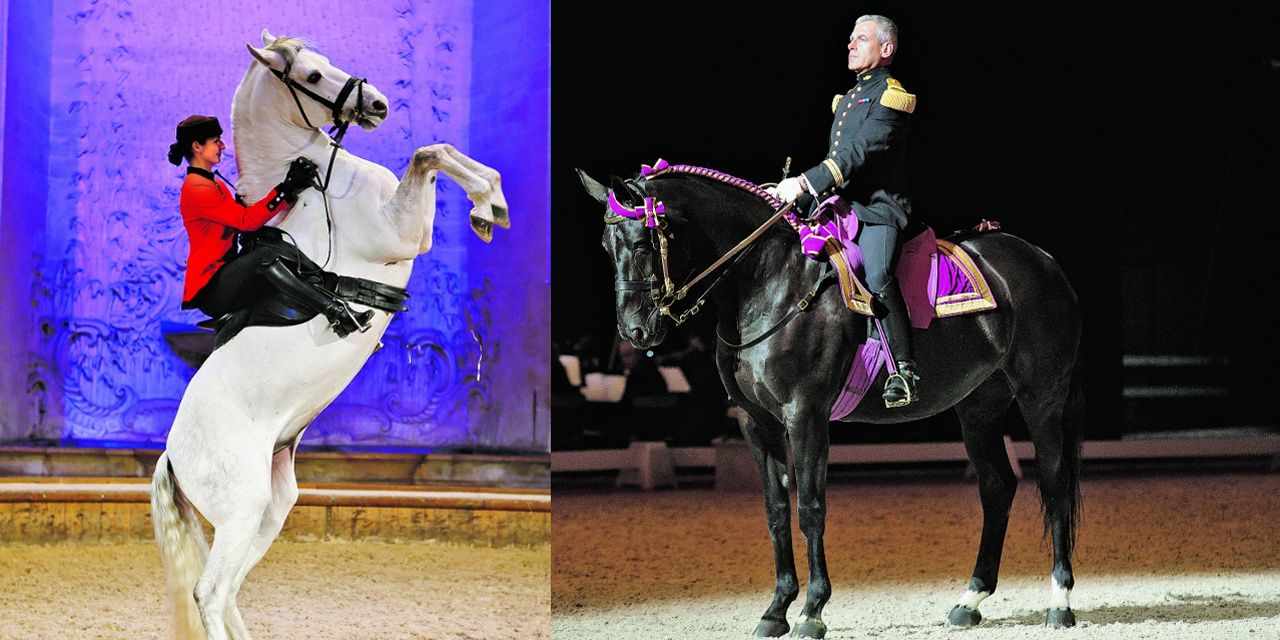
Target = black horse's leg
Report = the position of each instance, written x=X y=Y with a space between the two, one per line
x=1051 y=413
x=996 y=485
x=768 y=445
x=810 y=445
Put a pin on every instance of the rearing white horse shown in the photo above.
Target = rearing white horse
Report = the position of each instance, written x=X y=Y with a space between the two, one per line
x=231 y=449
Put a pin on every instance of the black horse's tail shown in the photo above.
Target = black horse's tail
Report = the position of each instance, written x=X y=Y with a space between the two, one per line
x=1073 y=420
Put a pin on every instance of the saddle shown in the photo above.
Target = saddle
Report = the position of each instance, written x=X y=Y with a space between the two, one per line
x=278 y=309
x=938 y=278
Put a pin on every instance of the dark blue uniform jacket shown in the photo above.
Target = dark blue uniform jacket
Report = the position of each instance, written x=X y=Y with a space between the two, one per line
x=866 y=160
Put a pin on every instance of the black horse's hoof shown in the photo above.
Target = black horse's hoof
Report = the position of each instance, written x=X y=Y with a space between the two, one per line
x=811 y=628
x=962 y=616
x=1060 y=619
x=771 y=629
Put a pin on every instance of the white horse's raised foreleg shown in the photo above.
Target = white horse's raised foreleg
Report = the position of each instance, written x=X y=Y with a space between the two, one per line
x=412 y=209
x=496 y=198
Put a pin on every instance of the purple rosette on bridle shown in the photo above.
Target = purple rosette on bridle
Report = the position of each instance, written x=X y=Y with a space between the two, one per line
x=649 y=210
x=646 y=170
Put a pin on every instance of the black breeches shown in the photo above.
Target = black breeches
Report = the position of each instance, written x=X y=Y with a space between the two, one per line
x=239 y=283
x=879 y=245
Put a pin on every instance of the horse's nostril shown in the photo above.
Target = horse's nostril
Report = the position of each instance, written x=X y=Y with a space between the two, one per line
x=379 y=106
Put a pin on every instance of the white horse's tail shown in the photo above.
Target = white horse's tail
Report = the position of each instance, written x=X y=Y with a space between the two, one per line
x=182 y=549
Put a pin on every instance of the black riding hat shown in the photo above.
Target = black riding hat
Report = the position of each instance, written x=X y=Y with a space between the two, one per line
x=193 y=129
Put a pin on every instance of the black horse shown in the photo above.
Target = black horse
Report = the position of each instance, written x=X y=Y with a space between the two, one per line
x=1025 y=350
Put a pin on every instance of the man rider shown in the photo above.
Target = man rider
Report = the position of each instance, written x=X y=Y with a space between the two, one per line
x=866 y=164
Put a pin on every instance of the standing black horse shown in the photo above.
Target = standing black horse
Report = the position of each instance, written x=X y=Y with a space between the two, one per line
x=1025 y=350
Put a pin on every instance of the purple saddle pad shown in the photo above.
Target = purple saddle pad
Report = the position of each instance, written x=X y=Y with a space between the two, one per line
x=938 y=278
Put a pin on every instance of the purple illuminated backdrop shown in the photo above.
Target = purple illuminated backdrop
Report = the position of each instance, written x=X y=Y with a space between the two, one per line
x=94 y=249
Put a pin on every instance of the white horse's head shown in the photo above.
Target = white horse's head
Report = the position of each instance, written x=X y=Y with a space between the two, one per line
x=325 y=92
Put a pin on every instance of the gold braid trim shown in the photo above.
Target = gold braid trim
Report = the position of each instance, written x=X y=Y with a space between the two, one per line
x=856 y=297
x=980 y=299
x=835 y=171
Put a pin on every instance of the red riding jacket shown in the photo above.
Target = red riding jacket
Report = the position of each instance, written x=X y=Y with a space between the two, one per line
x=211 y=215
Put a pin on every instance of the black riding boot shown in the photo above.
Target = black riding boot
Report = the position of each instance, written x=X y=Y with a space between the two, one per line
x=341 y=317
x=900 y=389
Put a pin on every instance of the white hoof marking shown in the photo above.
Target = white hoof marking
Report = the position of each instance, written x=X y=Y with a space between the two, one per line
x=1059 y=596
x=972 y=599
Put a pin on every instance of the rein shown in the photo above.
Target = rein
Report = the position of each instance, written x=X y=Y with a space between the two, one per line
x=799 y=307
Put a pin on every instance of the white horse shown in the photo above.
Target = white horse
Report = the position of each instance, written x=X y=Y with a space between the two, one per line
x=231 y=449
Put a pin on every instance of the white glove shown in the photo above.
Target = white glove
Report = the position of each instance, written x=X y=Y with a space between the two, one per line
x=788 y=190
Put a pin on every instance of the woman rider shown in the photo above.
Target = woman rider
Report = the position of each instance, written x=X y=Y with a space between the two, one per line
x=219 y=279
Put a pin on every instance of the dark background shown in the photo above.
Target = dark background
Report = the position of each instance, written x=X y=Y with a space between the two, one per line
x=1134 y=144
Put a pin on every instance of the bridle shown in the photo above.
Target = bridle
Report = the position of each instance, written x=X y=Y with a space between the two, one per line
x=652 y=212
x=340 y=126
x=335 y=107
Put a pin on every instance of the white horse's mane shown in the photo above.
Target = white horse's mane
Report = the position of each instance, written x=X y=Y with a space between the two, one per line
x=291 y=45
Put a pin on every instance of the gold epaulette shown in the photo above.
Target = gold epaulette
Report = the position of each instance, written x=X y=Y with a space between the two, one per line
x=896 y=98
x=835 y=102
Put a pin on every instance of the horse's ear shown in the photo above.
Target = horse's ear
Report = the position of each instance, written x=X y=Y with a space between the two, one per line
x=594 y=188
x=622 y=191
x=272 y=59
x=267 y=38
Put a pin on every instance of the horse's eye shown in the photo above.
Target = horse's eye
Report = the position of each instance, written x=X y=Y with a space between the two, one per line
x=314 y=77
x=642 y=246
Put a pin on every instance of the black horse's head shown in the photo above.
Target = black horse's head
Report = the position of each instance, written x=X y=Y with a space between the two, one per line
x=637 y=232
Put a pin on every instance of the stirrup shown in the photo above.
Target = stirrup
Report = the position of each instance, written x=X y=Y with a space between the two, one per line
x=361 y=321
x=907 y=387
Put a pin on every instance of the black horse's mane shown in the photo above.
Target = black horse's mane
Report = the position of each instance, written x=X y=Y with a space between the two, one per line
x=689 y=181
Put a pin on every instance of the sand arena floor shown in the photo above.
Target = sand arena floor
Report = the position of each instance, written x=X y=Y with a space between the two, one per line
x=1194 y=557
x=300 y=591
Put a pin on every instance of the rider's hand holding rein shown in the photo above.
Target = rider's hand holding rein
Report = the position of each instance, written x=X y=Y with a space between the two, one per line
x=788 y=190
x=302 y=174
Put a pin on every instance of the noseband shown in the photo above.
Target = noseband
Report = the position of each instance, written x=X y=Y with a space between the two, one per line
x=335 y=105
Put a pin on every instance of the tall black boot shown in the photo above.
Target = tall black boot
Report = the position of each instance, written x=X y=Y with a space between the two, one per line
x=341 y=317
x=900 y=389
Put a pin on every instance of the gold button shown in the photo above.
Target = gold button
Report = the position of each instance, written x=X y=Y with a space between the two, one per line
x=833 y=154
x=844 y=113
x=840 y=123
x=837 y=133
